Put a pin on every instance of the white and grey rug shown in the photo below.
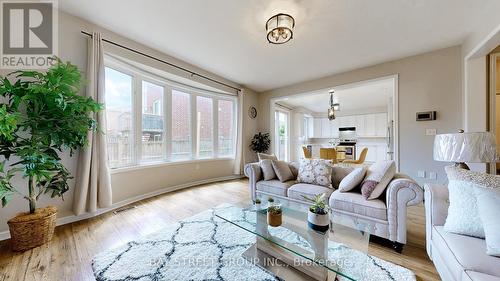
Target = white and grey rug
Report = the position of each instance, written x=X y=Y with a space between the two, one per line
x=204 y=247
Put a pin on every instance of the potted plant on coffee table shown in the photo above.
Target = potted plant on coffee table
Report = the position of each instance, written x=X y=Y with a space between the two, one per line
x=41 y=115
x=274 y=213
x=318 y=217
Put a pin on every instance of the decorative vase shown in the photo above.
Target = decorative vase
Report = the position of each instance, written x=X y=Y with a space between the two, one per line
x=318 y=222
x=274 y=215
x=28 y=231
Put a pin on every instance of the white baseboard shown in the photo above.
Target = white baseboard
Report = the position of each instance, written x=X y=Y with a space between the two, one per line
x=73 y=218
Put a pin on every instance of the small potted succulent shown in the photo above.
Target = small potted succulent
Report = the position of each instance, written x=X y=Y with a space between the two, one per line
x=274 y=213
x=258 y=204
x=318 y=216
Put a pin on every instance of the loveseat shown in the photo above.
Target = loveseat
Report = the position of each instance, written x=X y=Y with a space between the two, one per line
x=456 y=257
x=385 y=215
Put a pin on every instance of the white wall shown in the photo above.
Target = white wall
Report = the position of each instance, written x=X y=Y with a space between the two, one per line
x=430 y=81
x=126 y=185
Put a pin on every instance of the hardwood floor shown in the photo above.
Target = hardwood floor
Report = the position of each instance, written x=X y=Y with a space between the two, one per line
x=68 y=256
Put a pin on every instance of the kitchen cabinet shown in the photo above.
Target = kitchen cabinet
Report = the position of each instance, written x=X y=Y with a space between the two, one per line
x=367 y=125
x=376 y=151
x=326 y=131
x=316 y=128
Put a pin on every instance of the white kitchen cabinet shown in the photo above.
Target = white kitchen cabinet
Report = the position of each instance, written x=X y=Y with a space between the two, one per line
x=367 y=125
x=376 y=151
x=334 y=128
x=316 y=128
x=326 y=131
x=381 y=124
x=370 y=129
x=360 y=125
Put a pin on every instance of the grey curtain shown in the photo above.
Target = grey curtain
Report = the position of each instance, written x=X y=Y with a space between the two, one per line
x=238 y=160
x=93 y=181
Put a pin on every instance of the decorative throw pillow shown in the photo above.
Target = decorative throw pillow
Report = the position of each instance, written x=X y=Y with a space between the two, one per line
x=352 y=180
x=463 y=213
x=315 y=171
x=263 y=156
x=378 y=176
x=267 y=169
x=489 y=208
x=282 y=170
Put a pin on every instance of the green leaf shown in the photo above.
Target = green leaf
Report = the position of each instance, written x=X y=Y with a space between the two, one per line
x=42 y=116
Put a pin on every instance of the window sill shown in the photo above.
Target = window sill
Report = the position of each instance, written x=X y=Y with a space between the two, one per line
x=161 y=164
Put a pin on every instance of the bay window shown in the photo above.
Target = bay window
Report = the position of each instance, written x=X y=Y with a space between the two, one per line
x=153 y=120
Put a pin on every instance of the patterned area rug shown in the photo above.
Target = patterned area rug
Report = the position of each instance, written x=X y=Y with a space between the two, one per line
x=204 y=247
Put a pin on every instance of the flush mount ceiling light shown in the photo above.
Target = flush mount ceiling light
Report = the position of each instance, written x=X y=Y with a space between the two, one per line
x=280 y=28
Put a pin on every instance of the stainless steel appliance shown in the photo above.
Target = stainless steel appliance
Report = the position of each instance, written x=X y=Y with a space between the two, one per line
x=347 y=142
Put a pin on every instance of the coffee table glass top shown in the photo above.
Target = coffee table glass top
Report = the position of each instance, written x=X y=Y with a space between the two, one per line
x=342 y=249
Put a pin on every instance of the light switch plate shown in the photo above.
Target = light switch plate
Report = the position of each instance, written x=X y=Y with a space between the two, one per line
x=432 y=175
x=421 y=174
x=430 y=132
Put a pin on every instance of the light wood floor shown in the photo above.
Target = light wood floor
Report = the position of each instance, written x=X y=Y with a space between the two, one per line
x=69 y=254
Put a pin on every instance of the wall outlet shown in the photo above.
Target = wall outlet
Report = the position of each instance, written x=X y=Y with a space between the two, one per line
x=430 y=132
x=421 y=174
x=433 y=175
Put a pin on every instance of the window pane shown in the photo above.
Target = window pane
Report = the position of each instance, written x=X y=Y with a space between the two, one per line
x=181 y=126
x=226 y=123
x=119 y=133
x=152 y=148
x=205 y=127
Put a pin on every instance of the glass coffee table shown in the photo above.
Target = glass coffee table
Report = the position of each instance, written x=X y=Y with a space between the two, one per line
x=303 y=254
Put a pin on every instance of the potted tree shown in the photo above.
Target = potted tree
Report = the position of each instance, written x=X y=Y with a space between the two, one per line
x=260 y=142
x=318 y=216
x=41 y=115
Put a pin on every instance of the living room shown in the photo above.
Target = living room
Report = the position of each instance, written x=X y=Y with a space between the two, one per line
x=157 y=127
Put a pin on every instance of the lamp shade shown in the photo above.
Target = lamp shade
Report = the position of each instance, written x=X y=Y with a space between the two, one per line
x=466 y=147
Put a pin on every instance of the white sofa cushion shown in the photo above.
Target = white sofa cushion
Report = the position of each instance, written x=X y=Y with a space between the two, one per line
x=274 y=187
x=353 y=202
x=461 y=252
x=263 y=156
x=352 y=180
x=299 y=190
x=282 y=170
x=463 y=213
x=378 y=176
x=267 y=169
x=489 y=210
x=315 y=171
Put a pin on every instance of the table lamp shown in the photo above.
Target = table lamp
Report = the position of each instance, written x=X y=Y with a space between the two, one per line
x=466 y=147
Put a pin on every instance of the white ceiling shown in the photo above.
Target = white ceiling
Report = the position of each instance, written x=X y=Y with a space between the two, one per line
x=227 y=37
x=358 y=97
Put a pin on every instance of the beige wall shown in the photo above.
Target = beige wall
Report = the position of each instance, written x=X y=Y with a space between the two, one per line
x=129 y=184
x=430 y=81
x=497 y=105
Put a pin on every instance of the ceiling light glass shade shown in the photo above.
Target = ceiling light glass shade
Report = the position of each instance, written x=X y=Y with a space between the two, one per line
x=466 y=147
x=280 y=28
x=336 y=106
x=331 y=114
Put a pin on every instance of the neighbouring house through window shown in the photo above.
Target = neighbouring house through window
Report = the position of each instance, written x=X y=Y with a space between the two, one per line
x=163 y=122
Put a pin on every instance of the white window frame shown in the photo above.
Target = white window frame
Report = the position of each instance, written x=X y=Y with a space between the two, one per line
x=138 y=76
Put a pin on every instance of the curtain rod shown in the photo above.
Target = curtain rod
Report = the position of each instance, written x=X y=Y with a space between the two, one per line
x=192 y=73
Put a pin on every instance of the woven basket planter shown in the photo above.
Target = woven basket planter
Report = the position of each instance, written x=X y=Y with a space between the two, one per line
x=28 y=231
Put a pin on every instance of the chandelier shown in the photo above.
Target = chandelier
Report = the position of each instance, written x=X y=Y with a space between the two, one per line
x=280 y=28
x=333 y=107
